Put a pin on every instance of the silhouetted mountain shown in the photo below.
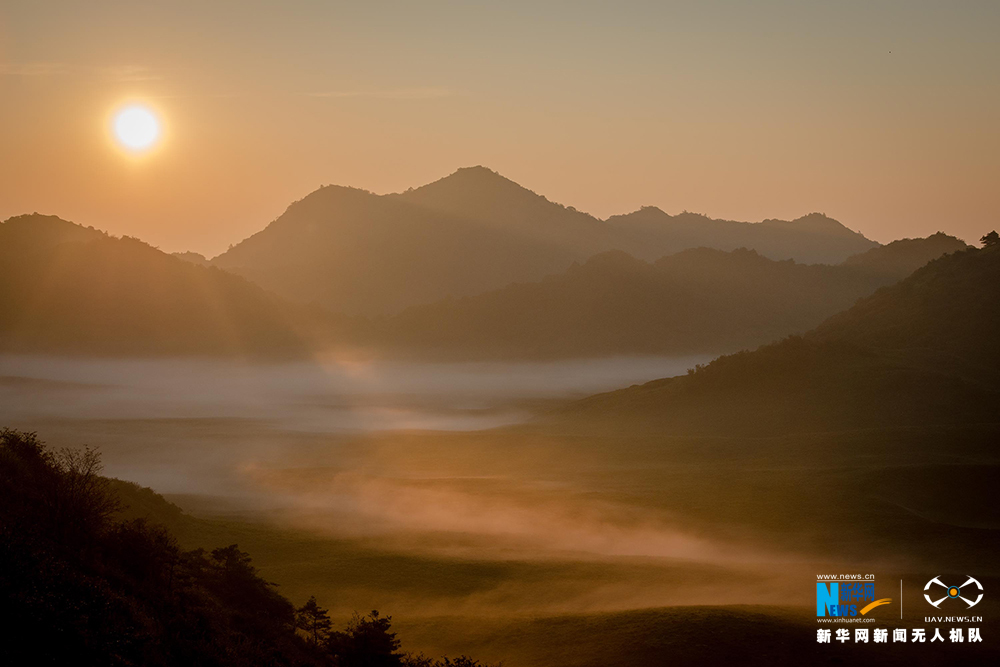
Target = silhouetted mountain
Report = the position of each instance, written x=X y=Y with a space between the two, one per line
x=484 y=197
x=37 y=230
x=903 y=257
x=696 y=301
x=951 y=308
x=920 y=352
x=811 y=239
x=68 y=289
x=71 y=289
x=474 y=231
x=354 y=251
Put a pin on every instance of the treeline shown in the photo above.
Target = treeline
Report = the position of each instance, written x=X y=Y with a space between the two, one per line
x=79 y=585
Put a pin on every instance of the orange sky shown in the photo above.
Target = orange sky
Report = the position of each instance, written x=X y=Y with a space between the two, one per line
x=883 y=115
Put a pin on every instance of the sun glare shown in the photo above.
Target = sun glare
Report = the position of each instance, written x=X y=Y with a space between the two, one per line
x=136 y=128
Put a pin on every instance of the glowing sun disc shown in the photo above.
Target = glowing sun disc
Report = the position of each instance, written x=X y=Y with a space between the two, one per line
x=136 y=128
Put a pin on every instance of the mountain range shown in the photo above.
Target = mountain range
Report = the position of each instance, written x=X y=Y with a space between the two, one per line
x=695 y=301
x=74 y=290
x=353 y=251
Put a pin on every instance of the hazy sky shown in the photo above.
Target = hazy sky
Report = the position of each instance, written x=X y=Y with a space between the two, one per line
x=885 y=115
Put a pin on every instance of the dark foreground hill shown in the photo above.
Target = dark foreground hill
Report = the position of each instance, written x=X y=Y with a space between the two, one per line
x=82 y=583
x=918 y=353
x=357 y=252
x=695 y=301
x=86 y=581
x=73 y=290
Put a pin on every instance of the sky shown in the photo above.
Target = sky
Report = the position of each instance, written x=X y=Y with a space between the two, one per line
x=883 y=115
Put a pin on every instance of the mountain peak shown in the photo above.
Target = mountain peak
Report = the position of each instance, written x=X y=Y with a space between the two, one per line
x=481 y=194
x=641 y=214
x=818 y=219
x=819 y=222
x=37 y=220
x=48 y=229
x=476 y=170
x=326 y=193
x=476 y=181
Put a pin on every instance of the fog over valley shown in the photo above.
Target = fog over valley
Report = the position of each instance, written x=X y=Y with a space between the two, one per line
x=499 y=334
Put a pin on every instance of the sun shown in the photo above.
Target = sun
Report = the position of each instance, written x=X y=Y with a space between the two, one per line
x=136 y=128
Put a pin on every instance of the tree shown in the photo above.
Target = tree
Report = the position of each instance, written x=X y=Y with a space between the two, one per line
x=314 y=621
x=366 y=642
x=233 y=562
x=990 y=239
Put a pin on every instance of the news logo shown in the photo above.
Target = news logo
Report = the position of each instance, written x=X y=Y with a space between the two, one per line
x=846 y=598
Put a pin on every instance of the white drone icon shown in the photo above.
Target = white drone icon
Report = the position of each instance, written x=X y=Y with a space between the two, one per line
x=953 y=592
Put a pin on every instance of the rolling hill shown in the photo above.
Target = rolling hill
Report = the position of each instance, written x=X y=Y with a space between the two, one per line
x=69 y=289
x=901 y=258
x=950 y=308
x=695 y=301
x=918 y=353
x=356 y=252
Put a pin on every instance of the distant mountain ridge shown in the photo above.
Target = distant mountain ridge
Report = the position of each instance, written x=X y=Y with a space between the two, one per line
x=69 y=289
x=810 y=239
x=693 y=302
x=357 y=252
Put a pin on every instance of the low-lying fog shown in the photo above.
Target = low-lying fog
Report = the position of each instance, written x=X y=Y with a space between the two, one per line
x=327 y=396
x=197 y=426
x=394 y=455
